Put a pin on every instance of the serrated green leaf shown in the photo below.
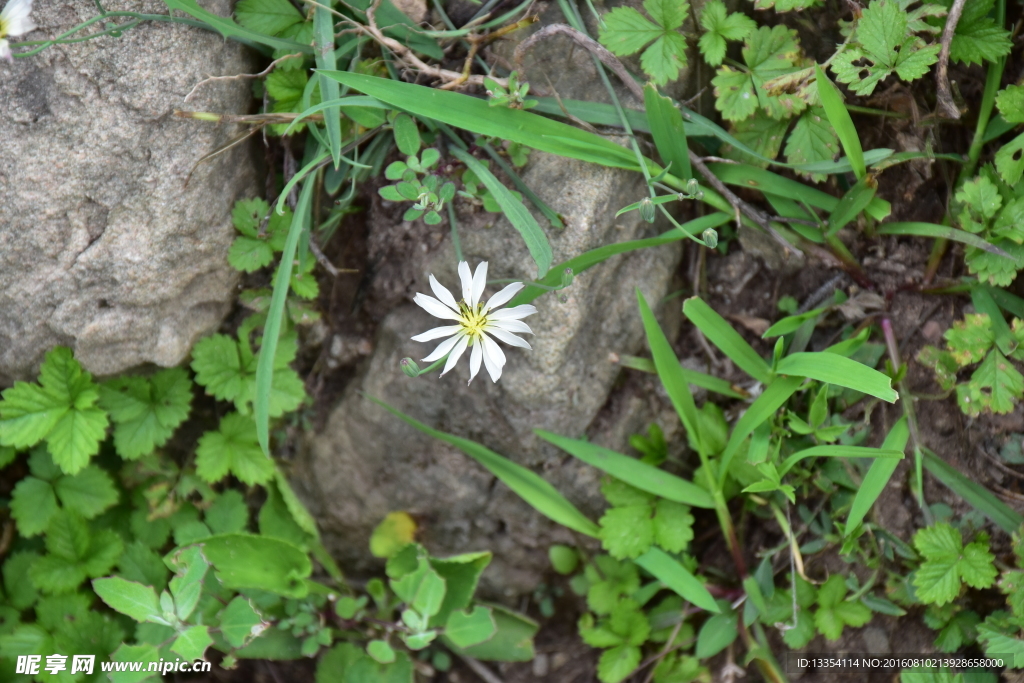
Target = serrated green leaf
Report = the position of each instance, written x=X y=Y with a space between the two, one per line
x=33 y=505
x=948 y=562
x=978 y=37
x=992 y=268
x=617 y=663
x=734 y=94
x=248 y=254
x=88 y=493
x=719 y=27
x=233 y=448
x=673 y=526
x=627 y=531
x=812 y=139
x=140 y=564
x=995 y=386
x=267 y=16
x=665 y=58
x=981 y=196
x=1010 y=102
x=21 y=591
x=761 y=133
x=834 y=612
x=625 y=31
x=1010 y=160
x=228 y=514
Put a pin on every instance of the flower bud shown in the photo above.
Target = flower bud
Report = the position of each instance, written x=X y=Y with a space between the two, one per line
x=698 y=195
x=692 y=186
x=647 y=209
x=410 y=367
x=710 y=238
x=567 y=277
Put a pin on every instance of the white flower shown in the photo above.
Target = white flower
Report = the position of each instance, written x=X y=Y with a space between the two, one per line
x=14 y=21
x=476 y=321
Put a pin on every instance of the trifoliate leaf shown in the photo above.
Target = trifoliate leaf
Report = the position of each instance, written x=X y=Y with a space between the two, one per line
x=627 y=531
x=719 y=27
x=768 y=53
x=60 y=409
x=813 y=139
x=996 y=386
x=145 y=411
x=1010 y=101
x=626 y=31
x=835 y=612
x=978 y=37
x=617 y=663
x=1009 y=223
x=627 y=621
x=997 y=634
x=248 y=214
x=87 y=493
x=233 y=448
x=614 y=580
x=1010 y=160
x=992 y=268
x=252 y=250
x=959 y=631
x=34 y=499
x=948 y=563
x=673 y=525
x=734 y=94
x=248 y=254
x=970 y=339
x=797 y=638
x=267 y=16
x=228 y=514
x=981 y=197
x=886 y=42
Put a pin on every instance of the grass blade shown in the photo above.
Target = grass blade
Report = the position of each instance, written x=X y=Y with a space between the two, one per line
x=834 y=369
x=791 y=322
x=878 y=475
x=632 y=471
x=229 y=29
x=549 y=213
x=984 y=303
x=753 y=178
x=974 y=493
x=836 y=451
x=839 y=117
x=275 y=316
x=517 y=214
x=529 y=486
x=721 y=334
x=777 y=393
x=670 y=572
x=323 y=32
x=667 y=130
x=694 y=377
x=669 y=371
x=1011 y=303
x=943 y=231
x=852 y=203
x=591 y=258
x=474 y=114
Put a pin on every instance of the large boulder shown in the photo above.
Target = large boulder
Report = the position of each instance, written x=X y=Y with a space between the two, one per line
x=103 y=246
x=366 y=462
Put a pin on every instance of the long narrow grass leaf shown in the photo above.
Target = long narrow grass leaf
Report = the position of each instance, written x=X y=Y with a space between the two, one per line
x=850 y=205
x=669 y=371
x=974 y=493
x=667 y=130
x=1011 y=303
x=694 y=377
x=275 y=316
x=670 y=572
x=553 y=218
x=943 y=231
x=528 y=485
x=589 y=259
x=632 y=471
x=773 y=398
x=878 y=475
x=791 y=322
x=753 y=178
x=720 y=333
x=841 y=121
x=984 y=303
x=517 y=214
x=474 y=114
x=323 y=38
x=838 y=451
x=834 y=369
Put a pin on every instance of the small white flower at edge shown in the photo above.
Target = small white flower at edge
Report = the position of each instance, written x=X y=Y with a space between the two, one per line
x=475 y=322
x=14 y=21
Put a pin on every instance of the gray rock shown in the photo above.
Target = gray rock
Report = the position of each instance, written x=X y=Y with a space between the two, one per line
x=367 y=463
x=102 y=246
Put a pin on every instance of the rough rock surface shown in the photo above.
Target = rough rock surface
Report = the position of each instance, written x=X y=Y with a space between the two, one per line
x=102 y=246
x=367 y=463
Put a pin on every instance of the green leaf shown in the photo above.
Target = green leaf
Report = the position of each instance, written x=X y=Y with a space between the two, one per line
x=617 y=663
x=142 y=565
x=250 y=561
x=995 y=386
x=407 y=136
x=511 y=642
x=878 y=475
x=665 y=58
x=60 y=409
x=632 y=471
x=394 y=532
x=721 y=334
x=240 y=622
x=1010 y=160
x=146 y=412
x=761 y=133
x=192 y=643
x=719 y=27
x=948 y=562
x=564 y=559
x=669 y=571
x=625 y=31
x=833 y=369
x=461 y=574
x=229 y=29
x=885 y=40
x=943 y=231
x=853 y=201
x=33 y=504
x=127 y=597
x=187 y=584
x=627 y=532
x=529 y=486
x=978 y=37
x=839 y=117
x=768 y=53
x=717 y=633
x=267 y=16
x=835 y=612
x=734 y=94
x=974 y=493
x=469 y=628
x=228 y=514
x=1010 y=101
x=668 y=132
x=233 y=449
x=673 y=526
x=517 y=214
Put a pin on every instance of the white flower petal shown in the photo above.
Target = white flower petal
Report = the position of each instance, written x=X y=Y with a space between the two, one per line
x=466 y=275
x=504 y=296
x=510 y=326
x=479 y=282
x=509 y=338
x=514 y=313
x=435 y=307
x=456 y=354
x=494 y=357
x=443 y=295
x=15 y=17
x=475 y=356
x=5 y=51
x=443 y=348
x=437 y=333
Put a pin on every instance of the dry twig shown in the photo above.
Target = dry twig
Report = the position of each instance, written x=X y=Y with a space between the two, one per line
x=239 y=76
x=943 y=97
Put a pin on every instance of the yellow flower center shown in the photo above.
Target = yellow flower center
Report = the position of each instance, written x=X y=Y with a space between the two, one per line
x=473 y=321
